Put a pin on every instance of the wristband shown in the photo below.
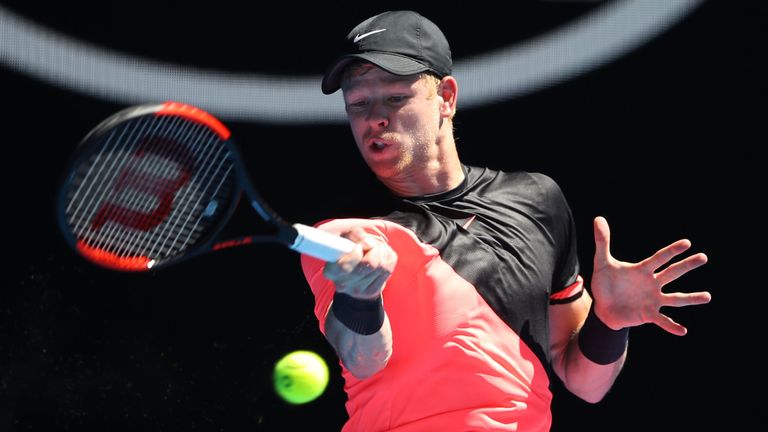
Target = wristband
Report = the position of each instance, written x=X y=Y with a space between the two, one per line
x=361 y=316
x=600 y=343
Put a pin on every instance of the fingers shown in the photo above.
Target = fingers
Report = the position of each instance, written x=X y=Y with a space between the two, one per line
x=378 y=258
x=346 y=262
x=602 y=241
x=680 y=268
x=669 y=325
x=364 y=271
x=664 y=255
x=680 y=300
x=687 y=299
x=355 y=234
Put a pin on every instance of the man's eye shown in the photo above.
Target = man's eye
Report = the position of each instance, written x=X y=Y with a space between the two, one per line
x=357 y=105
x=396 y=99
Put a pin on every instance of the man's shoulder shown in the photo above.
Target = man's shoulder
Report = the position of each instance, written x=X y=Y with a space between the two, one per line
x=527 y=180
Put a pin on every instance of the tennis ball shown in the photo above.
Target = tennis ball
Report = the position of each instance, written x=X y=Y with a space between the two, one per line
x=300 y=376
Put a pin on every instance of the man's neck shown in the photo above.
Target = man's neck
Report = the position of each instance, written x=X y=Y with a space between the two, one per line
x=439 y=175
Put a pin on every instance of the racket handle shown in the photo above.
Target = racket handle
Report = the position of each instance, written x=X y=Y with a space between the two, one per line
x=320 y=244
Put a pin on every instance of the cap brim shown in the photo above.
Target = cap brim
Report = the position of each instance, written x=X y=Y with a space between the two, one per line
x=392 y=63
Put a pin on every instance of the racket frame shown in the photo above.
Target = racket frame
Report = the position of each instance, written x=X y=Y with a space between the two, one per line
x=298 y=237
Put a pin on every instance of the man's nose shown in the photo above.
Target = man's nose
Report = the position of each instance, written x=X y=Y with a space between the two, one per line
x=378 y=114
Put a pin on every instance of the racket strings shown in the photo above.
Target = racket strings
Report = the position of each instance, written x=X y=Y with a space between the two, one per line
x=96 y=182
x=126 y=201
x=193 y=202
x=111 y=162
x=178 y=220
x=217 y=172
x=162 y=178
x=140 y=170
x=155 y=246
x=87 y=181
x=146 y=200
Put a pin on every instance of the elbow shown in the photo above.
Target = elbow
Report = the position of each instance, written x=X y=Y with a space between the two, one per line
x=362 y=372
x=589 y=381
x=592 y=397
x=362 y=355
x=365 y=367
x=587 y=390
x=592 y=387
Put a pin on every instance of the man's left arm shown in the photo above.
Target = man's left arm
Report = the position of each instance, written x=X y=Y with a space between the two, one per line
x=589 y=338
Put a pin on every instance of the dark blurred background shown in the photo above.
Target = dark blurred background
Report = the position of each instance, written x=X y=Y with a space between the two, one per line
x=662 y=138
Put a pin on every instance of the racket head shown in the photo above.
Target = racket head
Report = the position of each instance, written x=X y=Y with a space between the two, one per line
x=149 y=186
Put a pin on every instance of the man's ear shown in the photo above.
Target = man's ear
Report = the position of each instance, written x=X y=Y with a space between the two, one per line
x=448 y=90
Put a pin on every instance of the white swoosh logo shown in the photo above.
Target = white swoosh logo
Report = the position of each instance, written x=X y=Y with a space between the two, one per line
x=365 y=35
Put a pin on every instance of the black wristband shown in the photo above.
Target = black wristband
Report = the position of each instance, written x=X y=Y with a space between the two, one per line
x=600 y=343
x=361 y=316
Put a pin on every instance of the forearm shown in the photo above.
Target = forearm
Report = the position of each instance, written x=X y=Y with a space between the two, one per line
x=594 y=359
x=586 y=379
x=363 y=342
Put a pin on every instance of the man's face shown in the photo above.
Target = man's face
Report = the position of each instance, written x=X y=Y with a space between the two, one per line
x=394 y=120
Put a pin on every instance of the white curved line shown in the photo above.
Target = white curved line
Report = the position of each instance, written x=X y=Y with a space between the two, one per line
x=584 y=44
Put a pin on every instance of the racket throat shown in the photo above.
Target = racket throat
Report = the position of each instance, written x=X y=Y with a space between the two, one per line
x=287 y=234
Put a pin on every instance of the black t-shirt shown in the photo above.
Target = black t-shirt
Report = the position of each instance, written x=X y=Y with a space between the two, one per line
x=510 y=234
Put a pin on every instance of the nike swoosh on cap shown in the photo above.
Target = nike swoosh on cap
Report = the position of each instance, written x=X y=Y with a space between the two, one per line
x=364 y=35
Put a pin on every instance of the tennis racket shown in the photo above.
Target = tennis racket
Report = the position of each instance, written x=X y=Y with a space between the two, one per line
x=155 y=184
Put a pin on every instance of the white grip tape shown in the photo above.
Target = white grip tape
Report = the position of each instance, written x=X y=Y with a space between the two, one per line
x=320 y=244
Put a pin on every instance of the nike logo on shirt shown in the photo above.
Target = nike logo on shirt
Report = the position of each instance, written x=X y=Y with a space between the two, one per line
x=364 y=35
x=469 y=221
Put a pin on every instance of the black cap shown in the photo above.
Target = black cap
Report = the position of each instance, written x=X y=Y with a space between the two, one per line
x=400 y=42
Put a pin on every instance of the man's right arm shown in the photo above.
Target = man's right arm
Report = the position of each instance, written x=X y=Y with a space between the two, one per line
x=363 y=355
x=356 y=324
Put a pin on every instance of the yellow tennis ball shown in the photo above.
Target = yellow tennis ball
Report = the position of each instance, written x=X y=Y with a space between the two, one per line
x=300 y=376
